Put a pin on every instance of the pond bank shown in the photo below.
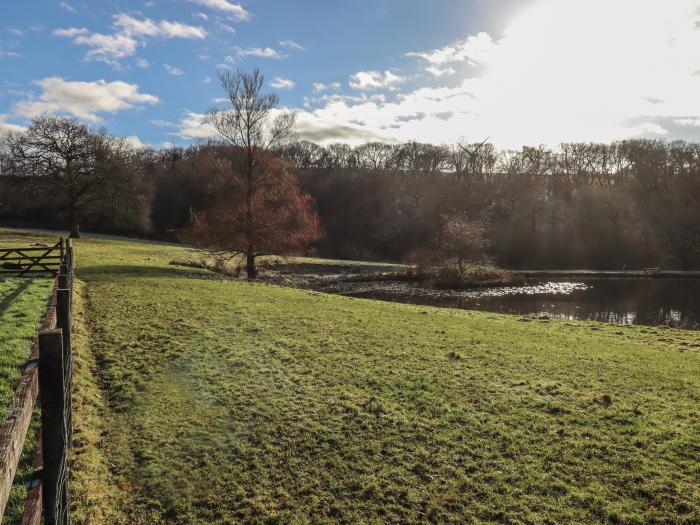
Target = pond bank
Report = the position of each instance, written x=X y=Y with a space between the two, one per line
x=667 y=298
x=614 y=274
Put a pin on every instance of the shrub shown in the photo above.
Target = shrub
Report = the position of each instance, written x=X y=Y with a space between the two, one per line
x=450 y=276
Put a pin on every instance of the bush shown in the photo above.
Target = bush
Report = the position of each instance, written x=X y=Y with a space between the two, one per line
x=412 y=274
x=481 y=272
x=449 y=276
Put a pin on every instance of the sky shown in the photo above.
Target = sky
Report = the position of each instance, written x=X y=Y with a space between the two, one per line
x=515 y=72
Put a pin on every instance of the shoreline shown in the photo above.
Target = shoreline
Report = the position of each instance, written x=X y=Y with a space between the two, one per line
x=616 y=274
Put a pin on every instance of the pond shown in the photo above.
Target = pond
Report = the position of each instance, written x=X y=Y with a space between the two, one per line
x=669 y=302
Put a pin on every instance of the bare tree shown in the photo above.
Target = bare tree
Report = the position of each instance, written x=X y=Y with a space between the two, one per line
x=253 y=128
x=67 y=155
x=462 y=240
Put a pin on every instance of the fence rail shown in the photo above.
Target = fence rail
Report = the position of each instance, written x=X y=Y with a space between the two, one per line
x=47 y=376
x=32 y=260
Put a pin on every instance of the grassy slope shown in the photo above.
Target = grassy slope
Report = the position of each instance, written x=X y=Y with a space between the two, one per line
x=23 y=303
x=228 y=401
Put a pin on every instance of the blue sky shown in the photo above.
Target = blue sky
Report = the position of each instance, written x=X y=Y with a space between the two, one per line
x=517 y=71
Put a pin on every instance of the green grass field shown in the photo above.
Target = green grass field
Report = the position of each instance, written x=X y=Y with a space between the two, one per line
x=205 y=400
x=23 y=303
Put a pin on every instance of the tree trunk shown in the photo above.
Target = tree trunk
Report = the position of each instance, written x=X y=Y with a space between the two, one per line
x=250 y=264
x=74 y=229
x=250 y=254
x=73 y=215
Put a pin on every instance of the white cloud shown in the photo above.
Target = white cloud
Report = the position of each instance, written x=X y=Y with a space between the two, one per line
x=440 y=71
x=107 y=48
x=203 y=16
x=162 y=123
x=135 y=142
x=129 y=33
x=143 y=63
x=71 y=32
x=66 y=6
x=257 y=52
x=206 y=80
x=84 y=100
x=6 y=127
x=226 y=27
x=319 y=87
x=282 y=83
x=693 y=122
x=580 y=70
x=235 y=10
x=647 y=128
x=473 y=49
x=172 y=70
x=164 y=28
x=168 y=29
x=194 y=126
x=374 y=80
x=291 y=44
x=308 y=127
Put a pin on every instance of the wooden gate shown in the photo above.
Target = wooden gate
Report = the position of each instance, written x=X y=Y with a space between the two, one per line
x=35 y=259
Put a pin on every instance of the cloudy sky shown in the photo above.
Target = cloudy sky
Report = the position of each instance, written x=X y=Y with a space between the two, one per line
x=515 y=71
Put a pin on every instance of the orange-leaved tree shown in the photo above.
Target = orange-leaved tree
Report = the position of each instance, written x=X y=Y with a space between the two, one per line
x=259 y=207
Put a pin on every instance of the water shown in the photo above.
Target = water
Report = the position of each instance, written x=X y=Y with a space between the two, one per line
x=669 y=302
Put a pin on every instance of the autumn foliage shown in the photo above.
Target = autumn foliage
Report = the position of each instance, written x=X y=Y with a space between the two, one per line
x=266 y=214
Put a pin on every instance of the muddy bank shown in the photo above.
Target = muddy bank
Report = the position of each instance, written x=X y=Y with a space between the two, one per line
x=349 y=276
x=408 y=290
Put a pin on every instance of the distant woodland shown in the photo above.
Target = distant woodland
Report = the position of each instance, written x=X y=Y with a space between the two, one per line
x=629 y=204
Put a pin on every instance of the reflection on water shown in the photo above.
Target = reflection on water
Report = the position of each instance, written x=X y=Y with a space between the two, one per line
x=671 y=302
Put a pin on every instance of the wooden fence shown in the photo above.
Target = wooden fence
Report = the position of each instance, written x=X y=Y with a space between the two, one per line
x=33 y=260
x=46 y=376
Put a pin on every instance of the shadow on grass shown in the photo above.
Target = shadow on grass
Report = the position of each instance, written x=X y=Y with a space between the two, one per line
x=7 y=300
x=120 y=270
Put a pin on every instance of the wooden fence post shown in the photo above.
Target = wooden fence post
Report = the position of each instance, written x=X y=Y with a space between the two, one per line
x=54 y=429
x=63 y=321
x=69 y=255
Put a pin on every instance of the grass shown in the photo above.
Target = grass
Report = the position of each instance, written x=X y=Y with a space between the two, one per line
x=97 y=493
x=23 y=303
x=235 y=266
x=215 y=401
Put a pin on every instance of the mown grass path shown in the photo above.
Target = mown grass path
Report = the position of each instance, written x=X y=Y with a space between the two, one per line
x=229 y=402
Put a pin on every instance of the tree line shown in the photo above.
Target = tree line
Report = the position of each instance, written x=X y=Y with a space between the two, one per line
x=630 y=204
